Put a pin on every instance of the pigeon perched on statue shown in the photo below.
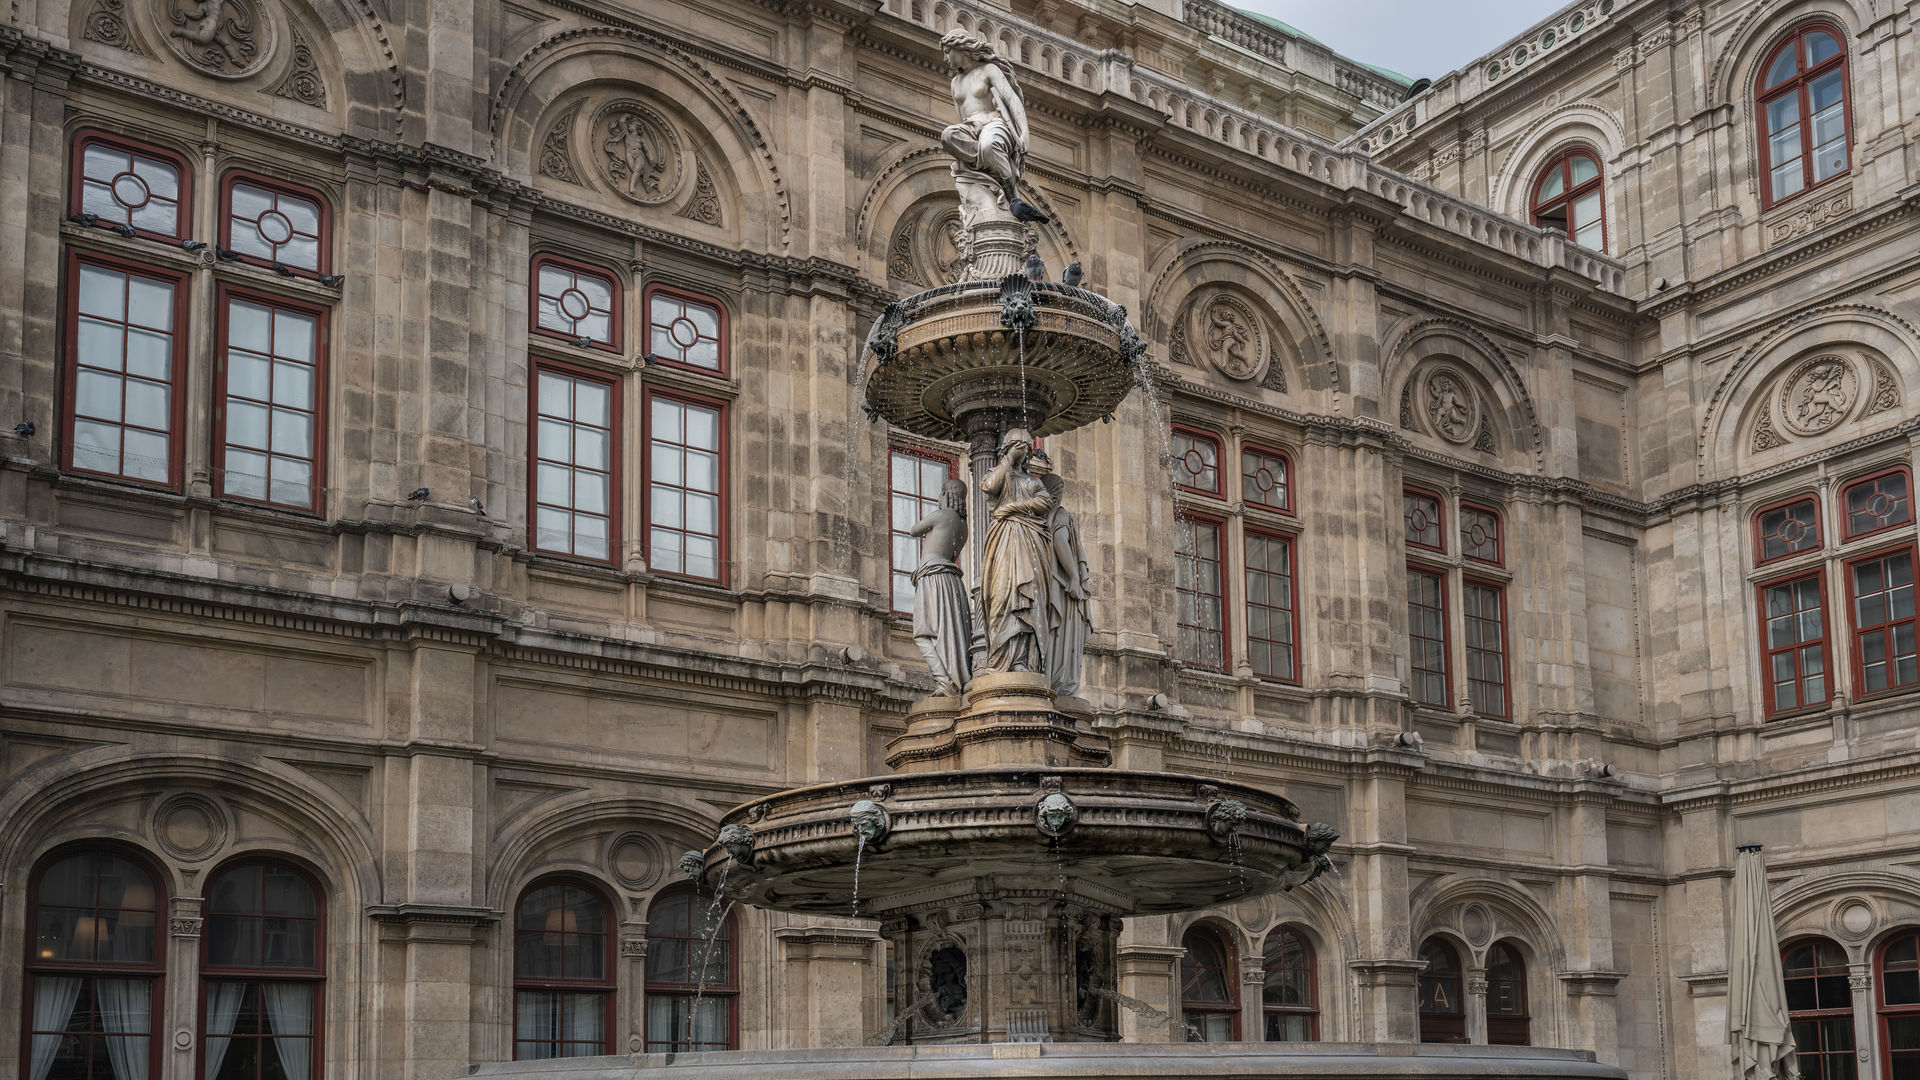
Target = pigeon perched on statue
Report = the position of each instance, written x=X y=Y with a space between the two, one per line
x=1023 y=210
x=1036 y=269
x=1072 y=275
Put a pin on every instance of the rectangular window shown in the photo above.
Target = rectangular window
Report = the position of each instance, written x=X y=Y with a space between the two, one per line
x=1486 y=616
x=686 y=329
x=1480 y=534
x=1264 y=479
x=1270 y=609
x=124 y=405
x=1199 y=593
x=128 y=185
x=1793 y=628
x=256 y=1029
x=1196 y=461
x=575 y=302
x=1427 y=636
x=272 y=386
x=1881 y=587
x=1787 y=529
x=1877 y=502
x=685 y=463
x=275 y=224
x=1424 y=521
x=576 y=442
x=85 y=1026
x=915 y=480
x=557 y=1024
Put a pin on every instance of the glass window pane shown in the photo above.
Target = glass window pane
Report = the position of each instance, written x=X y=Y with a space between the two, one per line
x=1783 y=68
x=1555 y=185
x=1584 y=169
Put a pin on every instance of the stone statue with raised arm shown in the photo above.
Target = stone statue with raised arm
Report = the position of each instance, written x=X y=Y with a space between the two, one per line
x=1015 y=566
x=942 y=613
x=989 y=144
x=1068 y=586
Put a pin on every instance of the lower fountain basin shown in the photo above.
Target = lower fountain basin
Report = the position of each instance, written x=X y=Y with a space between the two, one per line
x=1121 y=1061
x=1116 y=841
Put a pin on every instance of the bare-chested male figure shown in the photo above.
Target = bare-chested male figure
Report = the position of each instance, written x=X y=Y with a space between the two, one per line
x=942 y=614
x=989 y=144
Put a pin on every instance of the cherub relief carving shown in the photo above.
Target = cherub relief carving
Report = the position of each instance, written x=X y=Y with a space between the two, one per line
x=219 y=31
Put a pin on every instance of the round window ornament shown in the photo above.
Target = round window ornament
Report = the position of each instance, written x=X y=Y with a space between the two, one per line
x=189 y=826
x=1855 y=918
x=636 y=859
x=1606 y=7
x=1476 y=923
x=1579 y=22
x=131 y=191
x=575 y=305
x=226 y=39
x=1548 y=39
x=1520 y=56
x=684 y=333
x=275 y=228
x=1493 y=72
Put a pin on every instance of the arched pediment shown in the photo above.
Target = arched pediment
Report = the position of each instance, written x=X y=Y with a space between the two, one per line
x=1451 y=382
x=1230 y=308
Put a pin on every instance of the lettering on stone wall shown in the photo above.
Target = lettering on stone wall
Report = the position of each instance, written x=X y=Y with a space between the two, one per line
x=228 y=39
x=302 y=82
x=1812 y=217
x=1818 y=395
x=638 y=152
x=1451 y=408
x=106 y=23
x=704 y=207
x=556 y=150
x=1886 y=389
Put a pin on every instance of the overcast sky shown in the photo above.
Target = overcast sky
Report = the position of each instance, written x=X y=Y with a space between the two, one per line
x=1413 y=37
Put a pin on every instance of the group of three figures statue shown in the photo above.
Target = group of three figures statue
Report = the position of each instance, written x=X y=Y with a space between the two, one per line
x=1034 y=583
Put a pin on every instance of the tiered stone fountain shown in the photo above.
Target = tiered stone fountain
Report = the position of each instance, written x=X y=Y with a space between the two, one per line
x=1002 y=852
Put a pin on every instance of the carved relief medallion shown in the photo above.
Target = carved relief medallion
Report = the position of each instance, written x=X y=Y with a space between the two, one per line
x=1225 y=332
x=189 y=826
x=638 y=152
x=1819 y=394
x=1451 y=406
x=227 y=39
x=929 y=246
x=947 y=239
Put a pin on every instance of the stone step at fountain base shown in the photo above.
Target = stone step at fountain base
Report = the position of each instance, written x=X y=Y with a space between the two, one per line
x=1117 y=1061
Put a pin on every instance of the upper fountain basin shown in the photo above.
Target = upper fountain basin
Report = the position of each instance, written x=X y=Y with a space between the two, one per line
x=948 y=354
x=1129 y=843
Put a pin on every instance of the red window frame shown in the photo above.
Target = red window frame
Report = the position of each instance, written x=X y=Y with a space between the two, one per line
x=616 y=321
x=896 y=529
x=1499 y=537
x=697 y=960
x=314 y=976
x=1445 y=671
x=223 y=296
x=1887 y=628
x=1439 y=519
x=646 y=465
x=614 y=389
x=324 y=257
x=1229 y=977
x=686 y=296
x=1285 y=485
x=1514 y=1025
x=1846 y=515
x=38 y=968
x=1219 y=527
x=1760 y=535
x=1797 y=85
x=76 y=169
x=71 y=366
x=1569 y=192
x=1473 y=616
x=1811 y=1026
x=1442 y=995
x=1271 y=959
x=1886 y=1012
x=1289 y=612
x=1219 y=488
x=605 y=986
x=1768 y=651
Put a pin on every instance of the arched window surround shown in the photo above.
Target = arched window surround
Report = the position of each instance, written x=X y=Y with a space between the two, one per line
x=1562 y=201
x=261 y=975
x=1210 y=1014
x=183 y=199
x=1819 y=1005
x=1797 y=87
x=1442 y=991
x=1896 y=994
x=604 y=985
x=1509 y=1020
x=41 y=969
x=1283 y=1019
x=324 y=211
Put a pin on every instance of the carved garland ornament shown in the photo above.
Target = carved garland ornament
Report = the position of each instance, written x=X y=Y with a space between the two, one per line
x=556 y=150
x=227 y=39
x=106 y=23
x=302 y=82
x=704 y=207
x=1886 y=389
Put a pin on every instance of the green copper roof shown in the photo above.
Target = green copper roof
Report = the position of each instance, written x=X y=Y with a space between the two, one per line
x=1294 y=31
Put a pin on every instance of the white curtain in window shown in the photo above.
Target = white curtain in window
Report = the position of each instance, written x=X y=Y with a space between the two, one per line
x=677 y=1019
x=125 y=1005
x=586 y=1014
x=223 y=1008
x=53 y=1001
x=290 y=1012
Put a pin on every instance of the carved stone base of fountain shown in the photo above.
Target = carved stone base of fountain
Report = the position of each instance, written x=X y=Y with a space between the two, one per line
x=995 y=249
x=1006 y=718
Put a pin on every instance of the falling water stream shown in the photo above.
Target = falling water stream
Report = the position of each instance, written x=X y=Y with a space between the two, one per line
x=884 y=1036
x=716 y=918
x=859 y=852
x=1145 y=1011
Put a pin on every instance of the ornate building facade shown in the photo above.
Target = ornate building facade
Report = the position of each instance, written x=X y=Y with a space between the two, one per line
x=433 y=488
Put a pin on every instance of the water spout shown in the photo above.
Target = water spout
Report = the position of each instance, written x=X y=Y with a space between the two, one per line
x=1145 y=1011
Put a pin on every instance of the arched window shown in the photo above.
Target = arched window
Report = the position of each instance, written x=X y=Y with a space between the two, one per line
x=692 y=979
x=93 y=969
x=562 y=972
x=1567 y=199
x=261 y=975
x=1801 y=100
x=1508 y=1022
x=1290 y=995
x=1899 y=1002
x=1209 y=985
x=1443 y=1016
x=1820 y=1006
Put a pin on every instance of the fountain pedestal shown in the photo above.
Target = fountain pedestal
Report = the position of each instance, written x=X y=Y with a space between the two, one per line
x=1007 y=718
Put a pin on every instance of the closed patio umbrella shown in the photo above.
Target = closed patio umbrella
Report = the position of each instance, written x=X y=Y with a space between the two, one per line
x=1756 y=993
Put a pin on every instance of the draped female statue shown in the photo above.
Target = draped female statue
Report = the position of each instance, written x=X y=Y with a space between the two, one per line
x=1067 y=586
x=1015 y=568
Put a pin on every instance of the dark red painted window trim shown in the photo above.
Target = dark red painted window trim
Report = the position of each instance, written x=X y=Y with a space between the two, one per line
x=1219 y=490
x=1814 y=1016
x=1311 y=1010
x=1882 y=1010
x=646 y=471
x=616 y=342
x=606 y=986
x=89 y=136
x=1515 y=1028
x=730 y=929
x=1797 y=85
x=1445 y=1027
x=686 y=296
x=70 y=363
x=1563 y=162
x=321 y=386
x=615 y=395
x=952 y=463
x=1219 y=525
x=1819 y=574
x=1446 y=639
x=233 y=176
x=1286 y=461
x=1440 y=521
x=1230 y=975
x=1759 y=556
x=1846 y=522
x=1499 y=533
x=1293 y=589
x=315 y=976
x=1506 y=675
x=1856 y=633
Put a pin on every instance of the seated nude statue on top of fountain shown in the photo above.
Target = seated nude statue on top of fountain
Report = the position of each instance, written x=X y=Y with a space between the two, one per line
x=942 y=613
x=989 y=144
x=1015 y=569
x=1068 y=586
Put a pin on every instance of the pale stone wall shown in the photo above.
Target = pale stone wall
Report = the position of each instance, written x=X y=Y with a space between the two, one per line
x=402 y=698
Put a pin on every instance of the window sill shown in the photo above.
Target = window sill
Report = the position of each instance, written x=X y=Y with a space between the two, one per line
x=680 y=377
x=302 y=283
